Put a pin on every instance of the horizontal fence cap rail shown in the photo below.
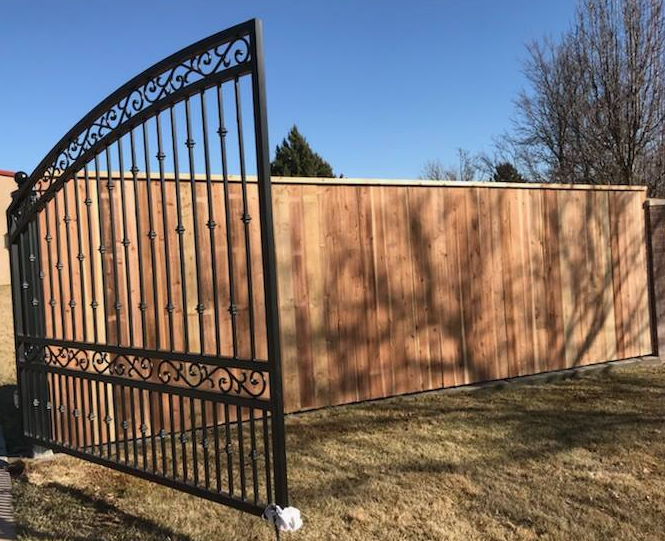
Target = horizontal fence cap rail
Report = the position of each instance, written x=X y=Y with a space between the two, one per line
x=655 y=202
x=344 y=181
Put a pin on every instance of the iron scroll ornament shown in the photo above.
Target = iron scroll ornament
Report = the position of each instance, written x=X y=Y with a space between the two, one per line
x=150 y=91
x=227 y=381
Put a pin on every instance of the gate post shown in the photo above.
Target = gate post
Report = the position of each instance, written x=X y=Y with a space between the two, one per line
x=28 y=312
x=654 y=213
x=269 y=267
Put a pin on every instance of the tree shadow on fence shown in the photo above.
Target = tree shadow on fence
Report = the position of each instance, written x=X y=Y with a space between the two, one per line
x=435 y=287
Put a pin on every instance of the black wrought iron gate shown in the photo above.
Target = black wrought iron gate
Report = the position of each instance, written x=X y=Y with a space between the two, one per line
x=144 y=286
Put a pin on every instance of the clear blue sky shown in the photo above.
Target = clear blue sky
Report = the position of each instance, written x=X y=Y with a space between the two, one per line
x=377 y=87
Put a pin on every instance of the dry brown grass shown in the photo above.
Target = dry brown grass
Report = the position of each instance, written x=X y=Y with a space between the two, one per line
x=580 y=459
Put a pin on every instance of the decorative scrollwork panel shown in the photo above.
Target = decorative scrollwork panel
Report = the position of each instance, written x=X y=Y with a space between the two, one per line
x=194 y=375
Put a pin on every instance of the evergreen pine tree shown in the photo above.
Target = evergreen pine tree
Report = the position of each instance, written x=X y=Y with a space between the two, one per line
x=506 y=172
x=295 y=158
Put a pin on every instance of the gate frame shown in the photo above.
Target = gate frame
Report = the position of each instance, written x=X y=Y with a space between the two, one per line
x=36 y=189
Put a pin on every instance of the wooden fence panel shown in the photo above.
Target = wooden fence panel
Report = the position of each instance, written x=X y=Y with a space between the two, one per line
x=461 y=284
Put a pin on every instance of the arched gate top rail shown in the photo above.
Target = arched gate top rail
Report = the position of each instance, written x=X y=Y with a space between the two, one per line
x=215 y=59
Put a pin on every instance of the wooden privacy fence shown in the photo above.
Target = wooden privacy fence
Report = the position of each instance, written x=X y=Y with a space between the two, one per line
x=385 y=287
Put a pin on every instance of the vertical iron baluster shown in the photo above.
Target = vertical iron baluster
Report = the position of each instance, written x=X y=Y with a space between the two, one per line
x=204 y=444
x=70 y=414
x=49 y=239
x=41 y=409
x=107 y=420
x=227 y=218
x=25 y=393
x=165 y=224
x=126 y=242
x=92 y=416
x=245 y=220
x=81 y=393
x=183 y=437
x=36 y=258
x=99 y=420
x=153 y=424
x=93 y=281
x=173 y=445
x=34 y=385
x=110 y=185
x=45 y=406
x=266 y=455
x=57 y=432
x=37 y=406
x=180 y=228
x=77 y=412
x=228 y=448
x=253 y=454
x=132 y=413
x=200 y=307
x=24 y=285
x=143 y=428
x=241 y=453
x=70 y=264
x=152 y=234
x=59 y=266
x=71 y=408
x=116 y=422
x=211 y=224
x=162 y=434
x=215 y=432
x=52 y=435
x=102 y=251
x=26 y=406
x=81 y=257
x=139 y=244
x=195 y=454
x=32 y=417
x=62 y=408
x=124 y=423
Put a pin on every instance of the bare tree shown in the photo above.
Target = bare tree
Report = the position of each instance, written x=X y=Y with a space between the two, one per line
x=466 y=168
x=436 y=170
x=468 y=165
x=596 y=109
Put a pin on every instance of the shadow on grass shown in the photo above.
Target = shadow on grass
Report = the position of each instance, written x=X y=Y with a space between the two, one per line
x=504 y=429
x=76 y=516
